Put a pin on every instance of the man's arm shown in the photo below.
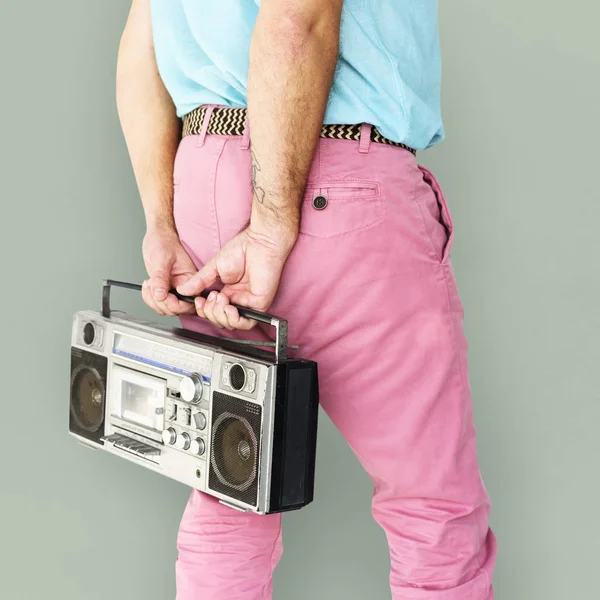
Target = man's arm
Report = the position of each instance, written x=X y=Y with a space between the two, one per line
x=147 y=115
x=152 y=132
x=293 y=55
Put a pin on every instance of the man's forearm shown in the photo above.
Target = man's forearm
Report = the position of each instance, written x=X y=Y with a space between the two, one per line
x=147 y=116
x=293 y=55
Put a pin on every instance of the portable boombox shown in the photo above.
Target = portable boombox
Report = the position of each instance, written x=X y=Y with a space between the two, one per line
x=222 y=416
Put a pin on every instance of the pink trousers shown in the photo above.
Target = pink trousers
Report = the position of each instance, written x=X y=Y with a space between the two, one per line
x=370 y=295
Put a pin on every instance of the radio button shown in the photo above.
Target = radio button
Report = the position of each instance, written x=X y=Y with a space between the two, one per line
x=184 y=416
x=200 y=421
x=183 y=441
x=198 y=447
x=224 y=374
x=169 y=436
x=190 y=388
x=171 y=410
x=251 y=383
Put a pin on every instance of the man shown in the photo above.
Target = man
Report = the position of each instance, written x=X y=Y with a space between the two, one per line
x=311 y=204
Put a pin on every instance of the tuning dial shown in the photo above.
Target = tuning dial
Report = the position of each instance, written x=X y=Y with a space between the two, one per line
x=190 y=388
x=198 y=447
x=169 y=436
x=183 y=441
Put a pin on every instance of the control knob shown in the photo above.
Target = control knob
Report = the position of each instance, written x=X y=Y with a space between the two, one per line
x=199 y=421
x=198 y=447
x=190 y=388
x=169 y=436
x=183 y=441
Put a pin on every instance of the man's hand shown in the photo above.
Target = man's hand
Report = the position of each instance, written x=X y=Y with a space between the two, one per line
x=250 y=267
x=152 y=133
x=168 y=266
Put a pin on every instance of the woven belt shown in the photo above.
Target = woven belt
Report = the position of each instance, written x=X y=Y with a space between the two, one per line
x=232 y=121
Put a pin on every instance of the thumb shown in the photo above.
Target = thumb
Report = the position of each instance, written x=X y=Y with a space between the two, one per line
x=160 y=282
x=203 y=279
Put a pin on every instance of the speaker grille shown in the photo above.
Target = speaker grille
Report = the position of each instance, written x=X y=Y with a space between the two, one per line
x=237 y=377
x=88 y=394
x=235 y=448
x=87 y=398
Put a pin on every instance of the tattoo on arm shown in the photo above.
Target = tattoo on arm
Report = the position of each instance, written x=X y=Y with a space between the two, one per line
x=259 y=193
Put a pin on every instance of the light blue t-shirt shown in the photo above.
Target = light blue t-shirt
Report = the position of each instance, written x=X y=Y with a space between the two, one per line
x=388 y=73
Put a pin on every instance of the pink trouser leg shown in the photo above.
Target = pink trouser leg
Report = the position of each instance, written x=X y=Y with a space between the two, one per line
x=224 y=553
x=370 y=295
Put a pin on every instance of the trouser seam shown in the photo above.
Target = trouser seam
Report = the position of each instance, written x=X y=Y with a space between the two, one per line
x=217 y=231
x=273 y=564
x=463 y=384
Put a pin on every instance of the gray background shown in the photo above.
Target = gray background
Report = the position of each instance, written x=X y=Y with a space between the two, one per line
x=521 y=105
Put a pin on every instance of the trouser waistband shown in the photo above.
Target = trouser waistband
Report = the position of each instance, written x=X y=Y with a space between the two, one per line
x=232 y=121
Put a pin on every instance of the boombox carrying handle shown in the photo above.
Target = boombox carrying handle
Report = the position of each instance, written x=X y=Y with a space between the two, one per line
x=281 y=325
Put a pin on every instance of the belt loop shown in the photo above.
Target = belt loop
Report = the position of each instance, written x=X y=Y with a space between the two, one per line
x=365 y=138
x=205 y=122
x=245 y=143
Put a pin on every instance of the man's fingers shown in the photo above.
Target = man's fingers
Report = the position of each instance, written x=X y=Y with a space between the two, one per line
x=209 y=309
x=242 y=299
x=228 y=316
x=160 y=307
x=237 y=322
x=171 y=307
x=221 y=303
x=179 y=307
x=199 y=306
x=148 y=298
x=182 y=278
x=159 y=284
x=215 y=309
x=203 y=279
x=165 y=309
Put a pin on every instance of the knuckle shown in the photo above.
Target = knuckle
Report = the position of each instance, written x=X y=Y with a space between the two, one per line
x=166 y=310
x=159 y=275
